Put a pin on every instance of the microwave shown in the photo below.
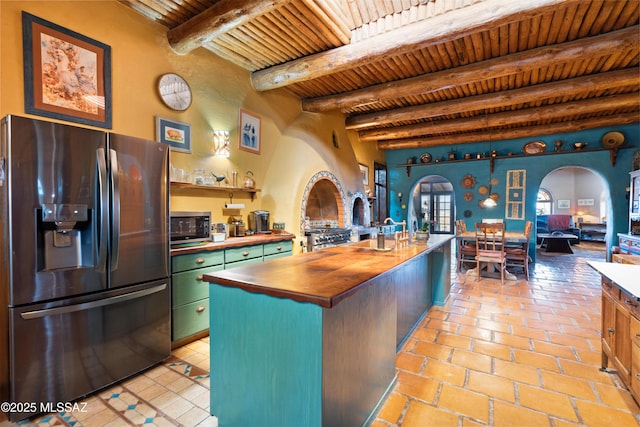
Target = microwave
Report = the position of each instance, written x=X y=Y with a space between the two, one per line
x=190 y=226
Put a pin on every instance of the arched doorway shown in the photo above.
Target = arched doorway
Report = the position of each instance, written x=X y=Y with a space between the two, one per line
x=432 y=204
x=584 y=196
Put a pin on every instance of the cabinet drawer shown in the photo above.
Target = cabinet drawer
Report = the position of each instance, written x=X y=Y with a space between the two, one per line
x=188 y=286
x=242 y=253
x=241 y=263
x=610 y=288
x=189 y=319
x=278 y=247
x=196 y=260
x=630 y=303
x=278 y=255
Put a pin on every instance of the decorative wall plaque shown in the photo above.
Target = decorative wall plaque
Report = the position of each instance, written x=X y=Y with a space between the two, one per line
x=516 y=182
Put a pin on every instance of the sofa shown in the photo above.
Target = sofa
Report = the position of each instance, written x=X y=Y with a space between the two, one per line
x=546 y=224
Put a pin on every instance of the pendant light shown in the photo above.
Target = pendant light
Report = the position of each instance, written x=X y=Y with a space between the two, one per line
x=490 y=201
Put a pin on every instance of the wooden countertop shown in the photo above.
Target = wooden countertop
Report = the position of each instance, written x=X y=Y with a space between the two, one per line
x=232 y=242
x=323 y=277
x=623 y=275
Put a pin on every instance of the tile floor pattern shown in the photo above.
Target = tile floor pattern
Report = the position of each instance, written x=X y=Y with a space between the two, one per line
x=174 y=393
x=526 y=353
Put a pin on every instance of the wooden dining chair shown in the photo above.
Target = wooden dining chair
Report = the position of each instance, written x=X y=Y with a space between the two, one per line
x=518 y=255
x=465 y=249
x=490 y=246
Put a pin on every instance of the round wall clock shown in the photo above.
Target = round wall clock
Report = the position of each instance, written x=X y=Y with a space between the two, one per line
x=174 y=91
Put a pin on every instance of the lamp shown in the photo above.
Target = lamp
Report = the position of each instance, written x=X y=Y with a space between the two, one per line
x=490 y=201
x=221 y=146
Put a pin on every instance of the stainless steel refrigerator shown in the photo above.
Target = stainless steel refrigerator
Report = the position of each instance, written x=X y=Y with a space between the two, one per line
x=84 y=284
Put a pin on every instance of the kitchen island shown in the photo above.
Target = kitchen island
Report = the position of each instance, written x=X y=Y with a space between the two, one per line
x=621 y=321
x=311 y=340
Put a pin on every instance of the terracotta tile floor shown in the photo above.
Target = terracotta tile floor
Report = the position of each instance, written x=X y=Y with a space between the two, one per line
x=516 y=355
x=526 y=353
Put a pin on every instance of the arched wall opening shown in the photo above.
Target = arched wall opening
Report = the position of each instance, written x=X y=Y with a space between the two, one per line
x=581 y=193
x=432 y=204
x=323 y=203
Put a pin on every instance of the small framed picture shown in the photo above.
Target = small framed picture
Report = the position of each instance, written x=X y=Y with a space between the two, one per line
x=249 y=132
x=564 y=204
x=176 y=134
x=586 y=202
x=67 y=76
x=364 y=173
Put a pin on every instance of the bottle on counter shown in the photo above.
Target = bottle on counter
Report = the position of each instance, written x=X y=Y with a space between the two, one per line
x=380 y=239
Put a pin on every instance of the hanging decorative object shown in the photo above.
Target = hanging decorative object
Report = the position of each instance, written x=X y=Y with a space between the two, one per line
x=468 y=181
x=515 y=191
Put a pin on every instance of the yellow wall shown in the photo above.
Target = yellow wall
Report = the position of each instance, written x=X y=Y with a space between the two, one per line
x=295 y=144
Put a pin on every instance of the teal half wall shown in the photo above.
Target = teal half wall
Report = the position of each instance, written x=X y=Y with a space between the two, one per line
x=536 y=166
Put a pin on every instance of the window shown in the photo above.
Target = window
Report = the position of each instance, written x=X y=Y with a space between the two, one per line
x=436 y=199
x=544 y=203
x=380 y=192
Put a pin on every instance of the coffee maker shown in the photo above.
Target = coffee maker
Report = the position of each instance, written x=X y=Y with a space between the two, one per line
x=259 y=222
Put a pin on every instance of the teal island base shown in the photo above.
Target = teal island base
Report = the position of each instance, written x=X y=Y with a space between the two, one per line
x=319 y=349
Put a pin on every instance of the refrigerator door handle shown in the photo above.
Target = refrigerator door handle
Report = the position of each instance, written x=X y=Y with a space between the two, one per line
x=104 y=208
x=37 y=314
x=115 y=185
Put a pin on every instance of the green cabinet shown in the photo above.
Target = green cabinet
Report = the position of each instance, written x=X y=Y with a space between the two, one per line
x=277 y=249
x=190 y=294
x=251 y=253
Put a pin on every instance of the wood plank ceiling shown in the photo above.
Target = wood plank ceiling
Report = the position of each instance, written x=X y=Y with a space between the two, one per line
x=421 y=73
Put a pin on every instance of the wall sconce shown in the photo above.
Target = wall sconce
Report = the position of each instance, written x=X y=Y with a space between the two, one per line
x=221 y=146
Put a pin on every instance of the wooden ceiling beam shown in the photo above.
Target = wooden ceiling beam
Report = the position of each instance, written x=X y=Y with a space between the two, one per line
x=503 y=134
x=220 y=18
x=532 y=94
x=601 y=45
x=505 y=119
x=448 y=26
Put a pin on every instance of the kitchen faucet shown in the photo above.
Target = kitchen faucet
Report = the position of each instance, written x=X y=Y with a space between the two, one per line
x=400 y=237
x=390 y=220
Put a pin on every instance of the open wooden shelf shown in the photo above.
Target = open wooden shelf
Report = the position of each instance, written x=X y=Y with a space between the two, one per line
x=613 y=154
x=200 y=190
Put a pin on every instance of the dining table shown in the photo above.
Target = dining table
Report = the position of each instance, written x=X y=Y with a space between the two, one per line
x=509 y=237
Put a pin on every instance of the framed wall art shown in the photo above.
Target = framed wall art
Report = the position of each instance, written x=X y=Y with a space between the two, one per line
x=250 y=127
x=176 y=134
x=515 y=191
x=67 y=75
x=564 y=204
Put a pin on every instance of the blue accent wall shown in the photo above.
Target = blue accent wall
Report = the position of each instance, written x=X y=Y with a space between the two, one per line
x=537 y=167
